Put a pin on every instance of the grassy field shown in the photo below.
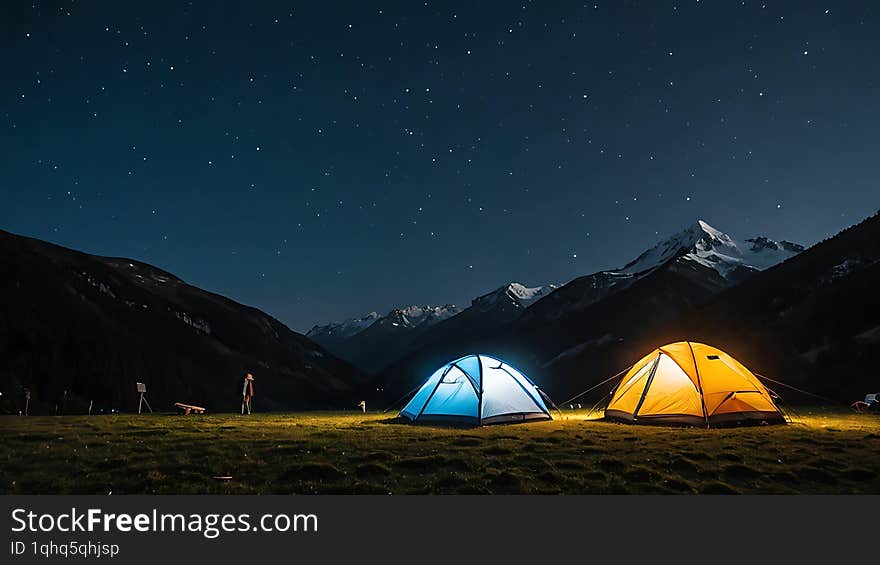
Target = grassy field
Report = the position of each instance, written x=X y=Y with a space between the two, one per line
x=824 y=451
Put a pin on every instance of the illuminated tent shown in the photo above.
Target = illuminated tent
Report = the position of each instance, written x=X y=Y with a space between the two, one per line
x=477 y=389
x=691 y=383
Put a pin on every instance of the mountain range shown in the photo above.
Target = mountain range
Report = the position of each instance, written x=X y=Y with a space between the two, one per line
x=809 y=318
x=372 y=342
x=78 y=329
x=678 y=272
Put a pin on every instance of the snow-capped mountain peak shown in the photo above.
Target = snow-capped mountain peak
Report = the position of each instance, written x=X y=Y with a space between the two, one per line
x=712 y=248
x=519 y=295
x=526 y=295
x=406 y=317
x=371 y=346
x=346 y=328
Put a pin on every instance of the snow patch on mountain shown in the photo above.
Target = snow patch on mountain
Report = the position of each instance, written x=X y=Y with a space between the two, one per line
x=195 y=323
x=416 y=316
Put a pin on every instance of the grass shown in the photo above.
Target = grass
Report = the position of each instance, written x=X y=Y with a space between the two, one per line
x=824 y=451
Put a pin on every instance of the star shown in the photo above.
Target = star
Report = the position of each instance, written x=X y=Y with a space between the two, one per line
x=364 y=125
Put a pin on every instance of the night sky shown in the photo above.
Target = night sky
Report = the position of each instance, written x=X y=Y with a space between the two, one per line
x=321 y=161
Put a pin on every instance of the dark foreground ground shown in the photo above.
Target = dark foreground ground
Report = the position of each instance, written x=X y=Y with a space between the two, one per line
x=824 y=451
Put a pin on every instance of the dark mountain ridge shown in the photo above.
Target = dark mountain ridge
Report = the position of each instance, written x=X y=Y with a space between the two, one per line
x=92 y=326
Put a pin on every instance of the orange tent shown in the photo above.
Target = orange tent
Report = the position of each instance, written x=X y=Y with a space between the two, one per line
x=694 y=384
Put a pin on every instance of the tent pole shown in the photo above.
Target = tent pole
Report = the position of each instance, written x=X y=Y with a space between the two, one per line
x=550 y=400
x=610 y=394
x=648 y=382
x=480 y=395
x=528 y=394
x=700 y=383
x=787 y=406
x=440 y=380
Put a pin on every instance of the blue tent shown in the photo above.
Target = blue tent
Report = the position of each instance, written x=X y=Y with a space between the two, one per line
x=477 y=389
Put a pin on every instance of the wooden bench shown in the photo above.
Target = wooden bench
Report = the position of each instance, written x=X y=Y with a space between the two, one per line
x=189 y=408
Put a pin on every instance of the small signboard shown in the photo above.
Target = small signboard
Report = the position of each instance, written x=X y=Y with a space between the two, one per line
x=142 y=389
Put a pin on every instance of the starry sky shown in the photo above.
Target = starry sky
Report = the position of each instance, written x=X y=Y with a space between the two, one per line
x=322 y=160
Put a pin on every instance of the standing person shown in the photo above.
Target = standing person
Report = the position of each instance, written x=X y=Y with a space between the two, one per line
x=247 y=393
